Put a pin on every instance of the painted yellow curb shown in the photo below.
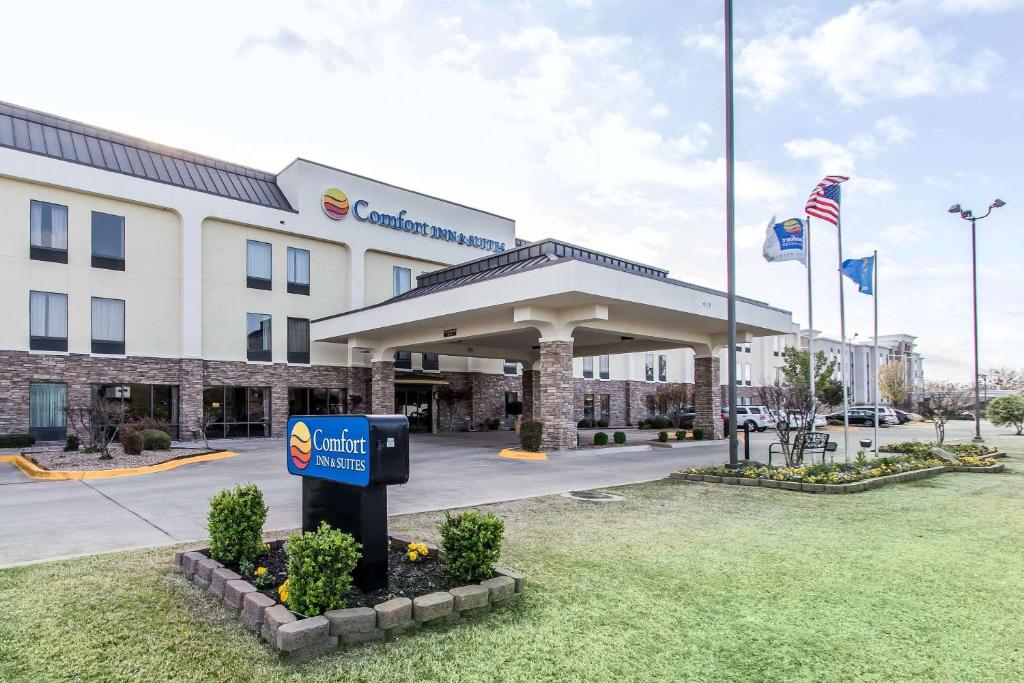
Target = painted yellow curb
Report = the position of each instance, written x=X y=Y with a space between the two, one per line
x=33 y=470
x=521 y=455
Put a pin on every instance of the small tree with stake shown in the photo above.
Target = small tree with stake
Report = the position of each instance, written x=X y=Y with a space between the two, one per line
x=784 y=400
x=98 y=422
x=946 y=401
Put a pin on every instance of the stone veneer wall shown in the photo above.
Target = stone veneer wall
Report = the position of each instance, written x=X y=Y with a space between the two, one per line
x=707 y=400
x=555 y=408
x=617 y=391
x=489 y=395
x=382 y=382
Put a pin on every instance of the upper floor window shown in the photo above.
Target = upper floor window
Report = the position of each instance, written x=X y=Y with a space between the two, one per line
x=603 y=367
x=258 y=269
x=430 y=362
x=107 y=241
x=257 y=334
x=48 y=232
x=107 y=325
x=48 y=321
x=588 y=367
x=403 y=280
x=746 y=374
x=510 y=367
x=662 y=368
x=403 y=360
x=298 y=340
x=298 y=271
x=649 y=367
x=739 y=373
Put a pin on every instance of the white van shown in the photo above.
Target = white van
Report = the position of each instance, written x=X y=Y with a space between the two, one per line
x=758 y=417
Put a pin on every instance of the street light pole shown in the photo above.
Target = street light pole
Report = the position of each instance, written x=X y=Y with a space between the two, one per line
x=730 y=236
x=968 y=215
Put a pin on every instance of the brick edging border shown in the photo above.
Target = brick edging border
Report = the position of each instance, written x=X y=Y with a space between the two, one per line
x=852 y=487
x=302 y=639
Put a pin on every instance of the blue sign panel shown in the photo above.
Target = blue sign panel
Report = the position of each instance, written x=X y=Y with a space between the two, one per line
x=334 y=447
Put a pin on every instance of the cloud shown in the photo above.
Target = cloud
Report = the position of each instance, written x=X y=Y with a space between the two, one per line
x=871 y=51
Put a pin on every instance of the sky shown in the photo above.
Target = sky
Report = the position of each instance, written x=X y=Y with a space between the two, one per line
x=601 y=123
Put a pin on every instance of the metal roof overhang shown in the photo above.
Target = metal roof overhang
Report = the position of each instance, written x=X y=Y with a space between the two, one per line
x=494 y=318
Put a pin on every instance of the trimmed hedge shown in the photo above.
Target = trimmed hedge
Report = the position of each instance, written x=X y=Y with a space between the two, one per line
x=663 y=436
x=698 y=434
x=320 y=565
x=471 y=542
x=661 y=422
x=681 y=435
x=155 y=439
x=619 y=437
x=236 y=523
x=16 y=440
x=585 y=424
x=132 y=442
x=602 y=424
x=530 y=433
x=600 y=439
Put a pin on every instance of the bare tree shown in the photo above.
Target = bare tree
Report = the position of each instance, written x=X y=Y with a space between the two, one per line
x=452 y=399
x=1006 y=378
x=793 y=409
x=672 y=398
x=98 y=422
x=892 y=382
x=946 y=401
x=209 y=418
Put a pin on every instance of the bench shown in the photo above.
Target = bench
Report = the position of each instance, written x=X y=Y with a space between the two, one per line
x=809 y=442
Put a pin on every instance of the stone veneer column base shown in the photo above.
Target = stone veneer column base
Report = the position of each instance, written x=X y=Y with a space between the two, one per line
x=707 y=397
x=554 y=408
x=190 y=398
x=382 y=401
x=359 y=380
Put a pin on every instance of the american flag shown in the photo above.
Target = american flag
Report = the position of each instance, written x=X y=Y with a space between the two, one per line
x=824 y=200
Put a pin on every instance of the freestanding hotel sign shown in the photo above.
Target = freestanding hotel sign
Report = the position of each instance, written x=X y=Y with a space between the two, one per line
x=346 y=463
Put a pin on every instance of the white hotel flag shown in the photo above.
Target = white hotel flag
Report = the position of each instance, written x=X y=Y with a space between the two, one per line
x=785 y=241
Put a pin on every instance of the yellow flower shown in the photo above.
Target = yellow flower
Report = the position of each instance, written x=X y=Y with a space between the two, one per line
x=413 y=555
x=282 y=590
x=260 y=571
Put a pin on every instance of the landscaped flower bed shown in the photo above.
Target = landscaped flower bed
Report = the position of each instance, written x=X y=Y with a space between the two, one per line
x=923 y=448
x=56 y=458
x=857 y=475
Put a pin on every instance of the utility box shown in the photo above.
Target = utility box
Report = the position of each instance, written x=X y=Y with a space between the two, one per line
x=346 y=463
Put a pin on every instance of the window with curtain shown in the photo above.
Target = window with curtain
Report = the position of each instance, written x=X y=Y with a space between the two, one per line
x=430 y=362
x=606 y=407
x=403 y=360
x=298 y=271
x=403 y=280
x=48 y=232
x=588 y=406
x=107 y=241
x=746 y=374
x=48 y=321
x=257 y=334
x=258 y=270
x=107 y=325
x=649 y=367
x=739 y=373
x=46 y=402
x=510 y=367
x=603 y=367
x=298 y=340
x=588 y=367
x=662 y=368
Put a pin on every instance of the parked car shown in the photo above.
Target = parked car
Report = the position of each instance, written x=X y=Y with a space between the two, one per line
x=859 y=416
x=685 y=417
x=796 y=419
x=757 y=417
x=903 y=417
x=889 y=415
x=965 y=416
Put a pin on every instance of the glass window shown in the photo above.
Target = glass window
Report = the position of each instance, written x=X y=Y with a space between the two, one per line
x=662 y=368
x=107 y=241
x=257 y=334
x=739 y=373
x=403 y=360
x=48 y=232
x=258 y=269
x=107 y=325
x=510 y=397
x=606 y=407
x=403 y=280
x=298 y=340
x=746 y=374
x=298 y=271
x=165 y=403
x=603 y=367
x=46 y=402
x=336 y=401
x=298 y=401
x=510 y=367
x=649 y=367
x=430 y=362
x=588 y=367
x=588 y=406
x=319 y=403
x=48 y=321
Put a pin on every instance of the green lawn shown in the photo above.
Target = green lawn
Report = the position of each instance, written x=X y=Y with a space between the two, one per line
x=681 y=581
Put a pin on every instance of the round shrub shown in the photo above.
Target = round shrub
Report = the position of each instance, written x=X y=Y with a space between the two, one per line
x=472 y=543
x=600 y=439
x=681 y=435
x=698 y=434
x=530 y=433
x=132 y=442
x=150 y=423
x=663 y=436
x=661 y=422
x=602 y=424
x=235 y=524
x=619 y=437
x=320 y=565
x=72 y=443
x=155 y=439
x=585 y=424
x=492 y=423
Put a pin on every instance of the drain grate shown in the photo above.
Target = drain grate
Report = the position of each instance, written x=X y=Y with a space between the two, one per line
x=594 y=496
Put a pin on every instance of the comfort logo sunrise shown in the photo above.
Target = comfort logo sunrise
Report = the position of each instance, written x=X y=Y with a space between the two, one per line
x=335 y=204
x=300 y=445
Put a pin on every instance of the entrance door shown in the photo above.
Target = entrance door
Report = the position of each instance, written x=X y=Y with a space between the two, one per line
x=414 y=401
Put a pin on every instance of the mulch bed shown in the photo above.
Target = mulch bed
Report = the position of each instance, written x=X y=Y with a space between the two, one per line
x=405 y=579
x=55 y=458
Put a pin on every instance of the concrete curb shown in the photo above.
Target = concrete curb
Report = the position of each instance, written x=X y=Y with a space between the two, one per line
x=30 y=469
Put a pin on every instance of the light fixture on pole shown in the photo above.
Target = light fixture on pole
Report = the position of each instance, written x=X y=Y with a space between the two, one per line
x=968 y=215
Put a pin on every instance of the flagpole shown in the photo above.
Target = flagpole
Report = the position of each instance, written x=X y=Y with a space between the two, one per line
x=874 y=291
x=810 y=321
x=842 y=346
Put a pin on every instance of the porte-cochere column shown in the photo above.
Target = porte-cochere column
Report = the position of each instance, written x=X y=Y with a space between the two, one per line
x=707 y=397
x=382 y=387
x=531 y=382
x=554 y=408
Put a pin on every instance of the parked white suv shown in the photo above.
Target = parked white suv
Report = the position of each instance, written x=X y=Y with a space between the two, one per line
x=758 y=417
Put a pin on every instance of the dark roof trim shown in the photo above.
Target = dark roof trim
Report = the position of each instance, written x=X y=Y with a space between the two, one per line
x=27 y=130
x=403 y=189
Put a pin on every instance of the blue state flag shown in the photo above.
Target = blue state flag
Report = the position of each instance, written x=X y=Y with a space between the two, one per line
x=785 y=241
x=861 y=271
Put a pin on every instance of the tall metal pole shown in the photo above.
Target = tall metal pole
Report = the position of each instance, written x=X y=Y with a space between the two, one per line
x=843 y=364
x=810 y=323
x=974 y=284
x=874 y=293
x=730 y=232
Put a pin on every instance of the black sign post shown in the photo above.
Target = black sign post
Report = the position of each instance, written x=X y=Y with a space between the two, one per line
x=346 y=463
